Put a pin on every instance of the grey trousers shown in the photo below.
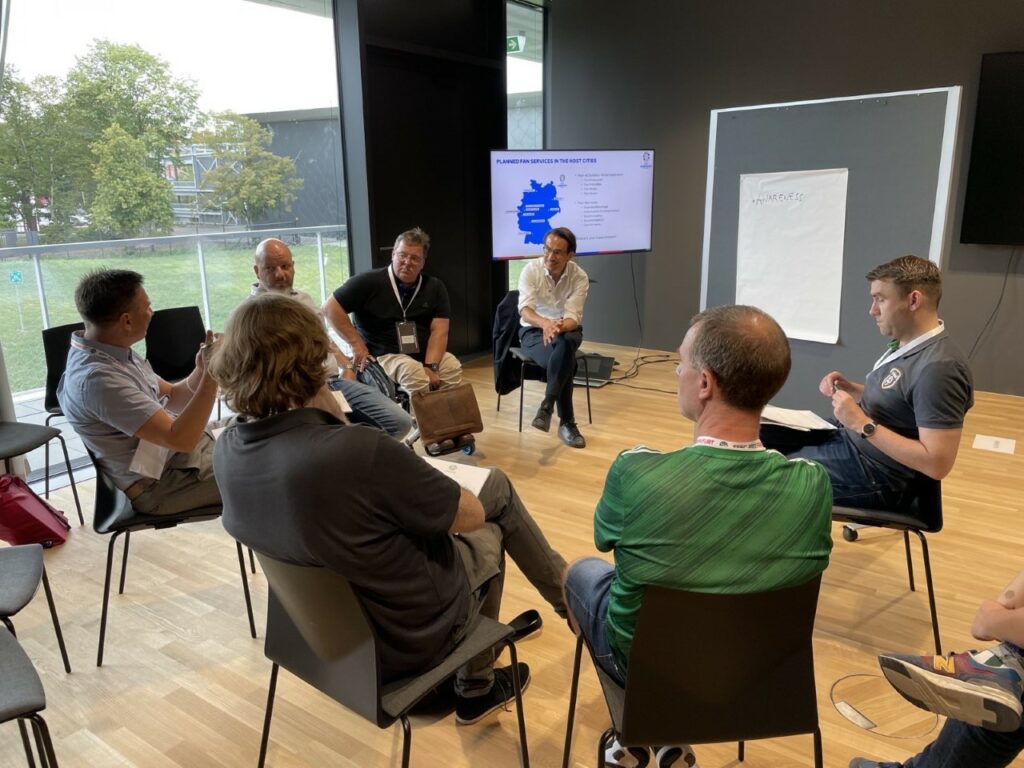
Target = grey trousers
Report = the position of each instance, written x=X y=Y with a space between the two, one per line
x=509 y=528
x=186 y=483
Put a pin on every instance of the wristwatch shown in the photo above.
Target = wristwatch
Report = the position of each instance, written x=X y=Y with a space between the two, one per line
x=432 y=366
x=868 y=429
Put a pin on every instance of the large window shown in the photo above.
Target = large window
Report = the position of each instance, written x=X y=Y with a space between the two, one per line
x=169 y=137
x=524 y=29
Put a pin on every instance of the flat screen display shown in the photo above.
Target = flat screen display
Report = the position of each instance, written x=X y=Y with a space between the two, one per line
x=606 y=197
x=994 y=204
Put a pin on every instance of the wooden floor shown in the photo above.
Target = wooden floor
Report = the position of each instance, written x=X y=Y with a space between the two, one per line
x=183 y=684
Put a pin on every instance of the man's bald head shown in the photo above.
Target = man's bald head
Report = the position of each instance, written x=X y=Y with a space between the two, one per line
x=274 y=267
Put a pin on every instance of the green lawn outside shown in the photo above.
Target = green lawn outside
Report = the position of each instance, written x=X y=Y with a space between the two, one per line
x=172 y=280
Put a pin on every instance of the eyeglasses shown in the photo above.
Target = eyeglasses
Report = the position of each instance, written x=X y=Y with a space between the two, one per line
x=410 y=258
x=554 y=251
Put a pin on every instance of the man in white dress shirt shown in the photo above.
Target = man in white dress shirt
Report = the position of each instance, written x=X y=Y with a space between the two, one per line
x=552 y=292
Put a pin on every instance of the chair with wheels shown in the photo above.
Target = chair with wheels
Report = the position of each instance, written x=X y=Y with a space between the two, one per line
x=172 y=340
x=509 y=356
x=114 y=514
x=17 y=439
x=22 y=698
x=921 y=515
x=317 y=630
x=763 y=689
x=21 y=571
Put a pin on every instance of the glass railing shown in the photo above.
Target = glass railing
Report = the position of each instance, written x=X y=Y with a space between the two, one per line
x=212 y=271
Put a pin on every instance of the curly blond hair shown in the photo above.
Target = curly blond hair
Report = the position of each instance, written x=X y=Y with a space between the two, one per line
x=271 y=357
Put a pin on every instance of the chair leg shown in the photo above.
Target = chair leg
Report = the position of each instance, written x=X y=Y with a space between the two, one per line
x=124 y=562
x=406 y=741
x=573 y=688
x=586 y=378
x=498 y=408
x=910 y=562
x=29 y=759
x=522 y=388
x=245 y=589
x=740 y=751
x=56 y=622
x=71 y=477
x=106 y=597
x=602 y=746
x=252 y=561
x=47 y=757
x=931 y=592
x=517 y=687
x=270 y=714
x=819 y=761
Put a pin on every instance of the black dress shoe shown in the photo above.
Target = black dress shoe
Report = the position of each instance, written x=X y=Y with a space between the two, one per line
x=571 y=436
x=542 y=420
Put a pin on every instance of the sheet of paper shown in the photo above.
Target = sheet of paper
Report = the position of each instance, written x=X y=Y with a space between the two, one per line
x=789 y=249
x=997 y=444
x=470 y=478
x=345 y=407
x=794 y=419
x=149 y=460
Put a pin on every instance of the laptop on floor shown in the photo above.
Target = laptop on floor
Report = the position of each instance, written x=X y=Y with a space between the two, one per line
x=599 y=368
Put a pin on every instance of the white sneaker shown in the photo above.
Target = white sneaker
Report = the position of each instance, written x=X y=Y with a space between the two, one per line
x=682 y=754
x=618 y=756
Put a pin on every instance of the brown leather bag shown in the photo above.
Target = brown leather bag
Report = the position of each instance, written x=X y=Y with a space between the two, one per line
x=445 y=414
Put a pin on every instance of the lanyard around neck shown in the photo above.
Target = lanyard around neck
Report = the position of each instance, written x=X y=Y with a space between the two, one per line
x=398 y=296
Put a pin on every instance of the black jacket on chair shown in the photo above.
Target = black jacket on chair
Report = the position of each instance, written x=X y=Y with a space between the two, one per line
x=507 y=370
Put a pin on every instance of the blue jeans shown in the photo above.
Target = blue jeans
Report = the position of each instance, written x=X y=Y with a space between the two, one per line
x=371 y=406
x=587 y=587
x=857 y=480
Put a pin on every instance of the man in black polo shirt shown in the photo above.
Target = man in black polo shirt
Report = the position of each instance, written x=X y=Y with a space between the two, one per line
x=401 y=318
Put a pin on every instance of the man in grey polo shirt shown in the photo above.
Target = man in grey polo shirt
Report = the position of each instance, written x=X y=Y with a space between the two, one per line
x=906 y=419
x=275 y=273
x=148 y=435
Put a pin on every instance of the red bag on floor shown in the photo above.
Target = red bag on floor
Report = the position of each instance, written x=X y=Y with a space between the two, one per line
x=27 y=519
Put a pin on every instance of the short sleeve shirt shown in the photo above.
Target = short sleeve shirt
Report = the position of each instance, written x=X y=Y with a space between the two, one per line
x=107 y=393
x=930 y=386
x=371 y=299
x=360 y=503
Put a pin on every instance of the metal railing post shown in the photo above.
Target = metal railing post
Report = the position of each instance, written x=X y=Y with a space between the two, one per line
x=202 y=282
x=323 y=267
x=43 y=309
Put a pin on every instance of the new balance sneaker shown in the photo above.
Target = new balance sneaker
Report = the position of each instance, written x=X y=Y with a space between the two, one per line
x=676 y=755
x=618 y=756
x=502 y=693
x=863 y=762
x=957 y=686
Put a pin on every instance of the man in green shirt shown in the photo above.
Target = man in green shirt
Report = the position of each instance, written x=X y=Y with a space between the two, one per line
x=723 y=515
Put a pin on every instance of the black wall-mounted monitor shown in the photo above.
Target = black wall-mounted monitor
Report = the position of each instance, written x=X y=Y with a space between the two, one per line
x=994 y=205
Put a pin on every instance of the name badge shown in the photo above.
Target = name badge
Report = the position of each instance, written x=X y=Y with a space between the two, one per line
x=408 y=344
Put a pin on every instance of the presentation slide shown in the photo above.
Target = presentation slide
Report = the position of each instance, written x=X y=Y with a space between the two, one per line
x=604 y=196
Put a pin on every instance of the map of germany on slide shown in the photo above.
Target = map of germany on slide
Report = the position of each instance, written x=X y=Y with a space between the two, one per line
x=538 y=206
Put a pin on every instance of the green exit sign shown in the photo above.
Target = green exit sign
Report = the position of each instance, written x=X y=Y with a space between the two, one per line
x=515 y=44
x=17 y=278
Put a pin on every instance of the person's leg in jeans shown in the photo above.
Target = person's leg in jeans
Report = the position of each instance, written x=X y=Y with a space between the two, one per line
x=588 y=583
x=371 y=406
x=522 y=538
x=967 y=746
x=559 y=361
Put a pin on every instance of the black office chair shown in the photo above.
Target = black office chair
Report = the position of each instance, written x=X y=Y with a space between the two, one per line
x=317 y=630
x=764 y=689
x=56 y=344
x=21 y=572
x=22 y=698
x=17 y=438
x=114 y=514
x=172 y=340
x=507 y=353
x=921 y=515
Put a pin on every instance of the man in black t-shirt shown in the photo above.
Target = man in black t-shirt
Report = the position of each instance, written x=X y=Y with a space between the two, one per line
x=401 y=318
